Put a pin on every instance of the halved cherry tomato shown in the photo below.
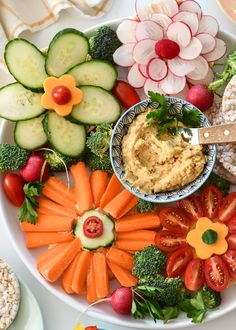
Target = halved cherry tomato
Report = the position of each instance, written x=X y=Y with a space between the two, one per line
x=192 y=206
x=174 y=219
x=232 y=241
x=216 y=273
x=93 y=227
x=232 y=225
x=227 y=207
x=178 y=261
x=13 y=187
x=194 y=275
x=230 y=259
x=168 y=241
x=210 y=198
x=126 y=94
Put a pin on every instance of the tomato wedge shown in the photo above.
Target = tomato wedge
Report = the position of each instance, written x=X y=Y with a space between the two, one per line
x=178 y=261
x=210 y=198
x=168 y=241
x=230 y=259
x=126 y=94
x=216 y=273
x=174 y=219
x=232 y=241
x=227 y=207
x=232 y=225
x=194 y=275
x=192 y=206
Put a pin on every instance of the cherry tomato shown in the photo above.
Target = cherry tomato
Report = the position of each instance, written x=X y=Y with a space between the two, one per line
x=61 y=95
x=210 y=198
x=216 y=273
x=230 y=259
x=93 y=227
x=232 y=225
x=91 y=328
x=227 y=207
x=194 y=275
x=13 y=187
x=192 y=206
x=174 y=219
x=168 y=241
x=126 y=94
x=178 y=261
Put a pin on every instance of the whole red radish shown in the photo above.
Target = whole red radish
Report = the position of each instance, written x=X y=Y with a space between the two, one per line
x=13 y=187
x=200 y=96
x=34 y=166
x=121 y=300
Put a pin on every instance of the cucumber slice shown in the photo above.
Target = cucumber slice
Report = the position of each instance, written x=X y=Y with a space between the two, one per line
x=98 y=106
x=68 y=48
x=29 y=134
x=26 y=63
x=18 y=103
x=67 y=138
x=96 y=73
x=105 y=239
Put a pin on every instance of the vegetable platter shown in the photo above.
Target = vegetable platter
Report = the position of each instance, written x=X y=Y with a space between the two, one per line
x=102 y=203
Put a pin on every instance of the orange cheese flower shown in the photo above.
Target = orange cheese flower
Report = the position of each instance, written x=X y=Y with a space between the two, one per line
x=208 y=238
x=61 y=94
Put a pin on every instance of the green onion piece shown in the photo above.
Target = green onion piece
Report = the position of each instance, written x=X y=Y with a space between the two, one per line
x=209 y=236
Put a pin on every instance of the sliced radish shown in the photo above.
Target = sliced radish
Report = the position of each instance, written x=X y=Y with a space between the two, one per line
x=135 y=78
x=201 y=68
x=190 y=19
x=172 y=84
x=143 y=9
x=191 y=6
x=193 y=50
x=182 y=95
x=143 y=70
x=144 y=51
x=167 y=7
x=180 y=67
x=153 y=86
x=148 y=30
x=208 y=24
x=206 y=81
x=208 y=42
x=123 y=56
x=218 y=52
x=180 y=33
x=126 y=31
x=157 y=69
x=162 y=19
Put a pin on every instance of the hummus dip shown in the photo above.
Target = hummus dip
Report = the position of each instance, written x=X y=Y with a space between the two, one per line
x=154 y=164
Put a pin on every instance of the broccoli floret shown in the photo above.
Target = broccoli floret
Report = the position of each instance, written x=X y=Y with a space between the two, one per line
x=97 y=163
x=219 y=182
x=99 y=141
x=12 y=157
x=56 y=159
x=104 y=43
x=145 y=206
x=211 y=298
x=148 y=263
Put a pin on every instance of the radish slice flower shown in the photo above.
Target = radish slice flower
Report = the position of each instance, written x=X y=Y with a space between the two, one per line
x=169 y=46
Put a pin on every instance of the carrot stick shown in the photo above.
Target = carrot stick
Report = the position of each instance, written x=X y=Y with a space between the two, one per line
x=132 y=245
x=55 y=196
x=145 y=235
x=123 y=276
x=34 y=240
x=120 y=258
x=79 y=278
x=90 y=284
x=128 y=207
x=114 y=187
x=49 y=254
x=50 y=208
x=84 y=195
x=101 y=275
x=54 y=269
x=118 y=203
x=48 y=223
x=62 y=188
x=68 y=275
x=98 y=181
x=132 y=222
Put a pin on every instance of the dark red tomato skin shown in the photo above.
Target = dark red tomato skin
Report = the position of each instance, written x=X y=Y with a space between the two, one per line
x=210 y=198
x=194 y=275
x=175 y=220
x=93 y=227
x=13 y=187
x=227 y=207
x=32 y=170
x=91 y=328
x=230 y=259
x=213 y=265
x=126 y=94
x=182 y=257
x=168 y=241
x=232 y=225
x=61 y=95
x=192 y=206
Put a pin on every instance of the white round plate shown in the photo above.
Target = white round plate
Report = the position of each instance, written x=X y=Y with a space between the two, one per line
x=8 y=214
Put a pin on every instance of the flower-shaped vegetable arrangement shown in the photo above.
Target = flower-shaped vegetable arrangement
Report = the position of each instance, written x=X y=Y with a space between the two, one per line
x=168 y=46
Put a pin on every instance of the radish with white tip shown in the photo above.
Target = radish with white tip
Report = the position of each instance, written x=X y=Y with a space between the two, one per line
x=208 y=42
x=123 y=56
x=200 y=96
x=149 y=30
x=127 y=25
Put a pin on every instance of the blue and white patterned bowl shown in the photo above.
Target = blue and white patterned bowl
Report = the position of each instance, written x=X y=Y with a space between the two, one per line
x=175 y=106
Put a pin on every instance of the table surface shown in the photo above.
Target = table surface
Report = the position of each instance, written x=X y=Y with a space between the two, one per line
x=56 y=314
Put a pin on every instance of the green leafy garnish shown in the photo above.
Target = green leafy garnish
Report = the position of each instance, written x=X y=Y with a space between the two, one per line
x=27 y=211
x=191 y=118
